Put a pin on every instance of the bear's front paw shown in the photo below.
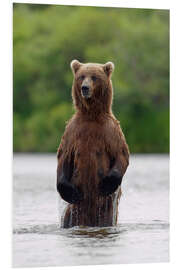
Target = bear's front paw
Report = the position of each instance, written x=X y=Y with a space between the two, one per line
x=69 y=192
x=110 y=183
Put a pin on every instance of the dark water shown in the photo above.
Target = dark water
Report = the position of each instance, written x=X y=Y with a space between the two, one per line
x=142 y=234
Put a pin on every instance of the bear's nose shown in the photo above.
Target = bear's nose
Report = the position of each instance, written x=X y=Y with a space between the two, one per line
x=85 y=90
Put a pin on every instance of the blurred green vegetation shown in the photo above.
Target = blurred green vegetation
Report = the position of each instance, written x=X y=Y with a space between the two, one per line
x=47 y=37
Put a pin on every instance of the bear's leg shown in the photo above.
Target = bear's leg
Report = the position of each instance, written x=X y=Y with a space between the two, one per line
x=68 y=191
x=67 y=218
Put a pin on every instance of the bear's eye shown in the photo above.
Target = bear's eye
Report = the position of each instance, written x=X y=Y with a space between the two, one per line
x=93 y=78
x=81 y=77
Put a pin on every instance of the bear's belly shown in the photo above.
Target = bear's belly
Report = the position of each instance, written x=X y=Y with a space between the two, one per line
x=90 y=165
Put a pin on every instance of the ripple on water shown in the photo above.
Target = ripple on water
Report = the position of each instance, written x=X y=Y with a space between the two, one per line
x=87 y=232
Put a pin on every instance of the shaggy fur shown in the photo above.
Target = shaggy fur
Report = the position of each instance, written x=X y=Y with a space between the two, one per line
x=93 y=155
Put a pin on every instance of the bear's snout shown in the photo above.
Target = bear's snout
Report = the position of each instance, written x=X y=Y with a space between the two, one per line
x=85 y=91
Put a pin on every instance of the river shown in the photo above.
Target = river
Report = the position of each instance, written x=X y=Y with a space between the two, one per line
x=142 y=233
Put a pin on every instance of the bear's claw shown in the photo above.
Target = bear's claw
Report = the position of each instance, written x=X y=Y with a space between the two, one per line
x=110 y=183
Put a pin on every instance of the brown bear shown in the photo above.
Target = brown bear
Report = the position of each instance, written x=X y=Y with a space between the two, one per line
x=93 y=155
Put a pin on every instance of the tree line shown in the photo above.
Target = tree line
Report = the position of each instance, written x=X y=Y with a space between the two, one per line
x=45 y=40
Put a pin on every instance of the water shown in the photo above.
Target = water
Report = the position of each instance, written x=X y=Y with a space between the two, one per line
x=142 y=234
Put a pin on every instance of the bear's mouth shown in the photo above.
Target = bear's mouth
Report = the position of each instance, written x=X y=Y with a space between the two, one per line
x=86 y=95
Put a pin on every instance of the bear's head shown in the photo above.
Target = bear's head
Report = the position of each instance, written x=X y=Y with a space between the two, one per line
x=92 y=87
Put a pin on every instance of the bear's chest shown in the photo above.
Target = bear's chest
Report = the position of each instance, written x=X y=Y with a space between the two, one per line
x=90 y=151
x=90 y=138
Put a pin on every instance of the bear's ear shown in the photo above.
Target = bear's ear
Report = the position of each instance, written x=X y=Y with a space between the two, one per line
x=108 y=68
x=75 y=65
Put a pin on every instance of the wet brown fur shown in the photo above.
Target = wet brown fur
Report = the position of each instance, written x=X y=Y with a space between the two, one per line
x=94 y=137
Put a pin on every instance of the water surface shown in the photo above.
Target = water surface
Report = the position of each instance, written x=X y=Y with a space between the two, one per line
x=142 y=234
